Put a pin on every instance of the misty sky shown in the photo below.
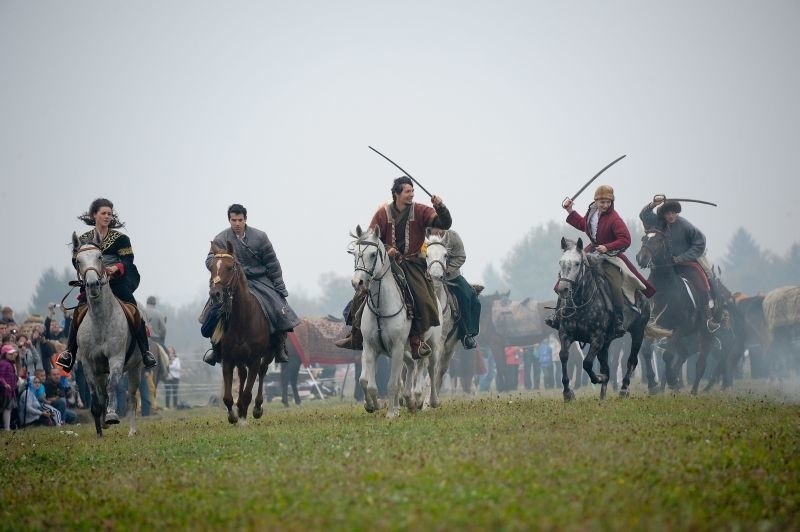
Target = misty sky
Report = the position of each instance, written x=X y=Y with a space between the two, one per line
x=174 y=110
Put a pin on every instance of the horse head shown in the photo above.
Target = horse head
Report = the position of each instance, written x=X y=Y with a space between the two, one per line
x=570 y=266
x=655 y=250
x=369 y=257
x=225 y=272
x=89 y=265
x=436 y=252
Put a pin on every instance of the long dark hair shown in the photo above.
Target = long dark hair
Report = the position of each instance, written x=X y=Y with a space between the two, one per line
x=399 y=184
x=88 y=216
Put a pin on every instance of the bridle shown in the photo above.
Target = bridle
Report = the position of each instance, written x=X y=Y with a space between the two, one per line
x=360 y=265
x=228 y=288
x=570 y=308
x=101 y=273
x=665 y=245
x=442 y=263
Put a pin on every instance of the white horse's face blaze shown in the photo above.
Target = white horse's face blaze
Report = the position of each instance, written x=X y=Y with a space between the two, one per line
x=222 y=271
x=436 y=256
x=653 y=250
x=569 y=267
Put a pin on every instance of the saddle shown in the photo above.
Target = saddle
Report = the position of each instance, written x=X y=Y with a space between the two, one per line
x=405 y=289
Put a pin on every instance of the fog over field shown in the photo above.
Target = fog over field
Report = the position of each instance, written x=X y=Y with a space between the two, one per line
x=176 y=110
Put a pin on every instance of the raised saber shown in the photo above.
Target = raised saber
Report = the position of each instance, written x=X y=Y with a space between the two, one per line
x=606 y=167
x=664 y=198
x=409 y=175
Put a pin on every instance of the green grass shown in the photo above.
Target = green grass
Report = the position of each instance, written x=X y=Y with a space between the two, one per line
x=519 y=461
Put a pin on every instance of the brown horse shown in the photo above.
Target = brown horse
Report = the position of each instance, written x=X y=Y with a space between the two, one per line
x=242 y=334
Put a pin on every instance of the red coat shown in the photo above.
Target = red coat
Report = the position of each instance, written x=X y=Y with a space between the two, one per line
x=611 y=233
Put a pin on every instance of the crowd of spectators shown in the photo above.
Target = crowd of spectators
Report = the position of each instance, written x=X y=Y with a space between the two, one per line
x=33 y=390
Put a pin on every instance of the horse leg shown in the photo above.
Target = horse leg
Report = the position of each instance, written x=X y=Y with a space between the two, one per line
x=702 y=358
x=410 y=370
x=227 y=394
x=115 y=372
x=98 y=409
x=246 y=397
x=285 y=385
x=563 y=355
x=258 y=410
x=294 y=371
x=637 y=337
x=398 y=354
x=605 y=370
x=134 y=376
x=588 y=363
x=367 y=379
x=499 y=352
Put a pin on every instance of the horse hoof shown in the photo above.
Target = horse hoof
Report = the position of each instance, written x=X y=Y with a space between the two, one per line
x=258 y=412
x=131 y=433
x=112 y=418
x=392 y=413
x=569 y=396
x=624 y=393
x=370 y=409
x=232 y=419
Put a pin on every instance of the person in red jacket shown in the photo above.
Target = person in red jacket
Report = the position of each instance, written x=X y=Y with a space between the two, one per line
x=610 y=237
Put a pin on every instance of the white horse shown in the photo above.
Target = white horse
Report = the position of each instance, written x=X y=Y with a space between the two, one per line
x=436 y=257
x=104 y=338
x=385 y=326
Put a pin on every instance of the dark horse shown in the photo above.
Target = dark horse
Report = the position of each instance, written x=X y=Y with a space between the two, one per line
x=675 y=309
x=585 y=317
x=242 y=334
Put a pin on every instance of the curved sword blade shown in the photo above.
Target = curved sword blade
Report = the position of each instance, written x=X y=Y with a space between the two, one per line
x=404 y=172
x=606 y=167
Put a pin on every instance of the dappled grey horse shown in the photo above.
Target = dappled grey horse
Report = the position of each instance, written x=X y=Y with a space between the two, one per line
x=105 y=343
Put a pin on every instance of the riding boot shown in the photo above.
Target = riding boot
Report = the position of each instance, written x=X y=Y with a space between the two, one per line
x=213 y=355
x=281 y=354
x=469 y=342
x=66 y=359
x=554 y=320
x=353 y=340
x=148 y=359
x=419 y=349
x=619 y=324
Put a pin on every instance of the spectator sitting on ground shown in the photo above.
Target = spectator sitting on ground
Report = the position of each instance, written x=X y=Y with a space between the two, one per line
x=33 y=411
x=55 y=391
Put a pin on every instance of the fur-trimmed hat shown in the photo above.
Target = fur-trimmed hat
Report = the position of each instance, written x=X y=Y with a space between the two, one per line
x=668 y=206
x=604 y=192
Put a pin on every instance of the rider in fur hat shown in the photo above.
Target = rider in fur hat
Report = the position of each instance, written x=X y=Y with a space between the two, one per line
x=688 y=246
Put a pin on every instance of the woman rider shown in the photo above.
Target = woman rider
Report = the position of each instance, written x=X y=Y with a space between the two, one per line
x=122 y=272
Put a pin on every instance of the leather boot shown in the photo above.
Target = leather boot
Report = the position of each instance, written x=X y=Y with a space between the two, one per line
x=419 y=349
x=619 y=324
x=66 y=359
x=213 y=355
x=148 y=359
x=353 y=341
x=281 y=354
x=469 y=342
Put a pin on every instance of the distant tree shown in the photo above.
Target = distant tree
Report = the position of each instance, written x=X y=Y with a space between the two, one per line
x=491 y=280
x=746 y=267
x=336 y=292
x=50 y=289
x=788 y=268
x=531 y=267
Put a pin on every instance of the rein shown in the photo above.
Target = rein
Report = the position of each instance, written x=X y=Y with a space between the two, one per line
x=569 y=301
x=229 y=288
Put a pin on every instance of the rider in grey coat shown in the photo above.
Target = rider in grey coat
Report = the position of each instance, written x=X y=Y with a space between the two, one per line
x=262 y=269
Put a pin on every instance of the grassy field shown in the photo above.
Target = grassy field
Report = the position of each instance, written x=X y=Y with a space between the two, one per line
x=515 y=461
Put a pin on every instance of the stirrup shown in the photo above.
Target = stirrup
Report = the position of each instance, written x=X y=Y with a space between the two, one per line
x=149 y=360
x=211 y=359
x=712 y=325
x=68 y=363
